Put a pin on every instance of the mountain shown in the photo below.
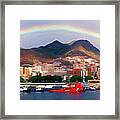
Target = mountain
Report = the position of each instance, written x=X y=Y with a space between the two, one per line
x=29 y=56
x=81 y=51
x=57 y=49
x=53 y=50
x=83 y=48
x=87 y=45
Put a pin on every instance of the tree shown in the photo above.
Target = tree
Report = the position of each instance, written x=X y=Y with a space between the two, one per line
x=35 y=79
x=46 y=79
x=21 y=79
x=76 y=79
x=57 y=79
x=51 y=79
x=88 y=78
x=80 y=79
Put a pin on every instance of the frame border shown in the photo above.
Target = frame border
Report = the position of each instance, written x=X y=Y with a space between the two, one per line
x=59 y=2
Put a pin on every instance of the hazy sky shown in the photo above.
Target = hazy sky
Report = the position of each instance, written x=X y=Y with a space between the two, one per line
x=35 y=33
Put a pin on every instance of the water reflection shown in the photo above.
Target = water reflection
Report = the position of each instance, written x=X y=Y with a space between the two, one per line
x=87 y=95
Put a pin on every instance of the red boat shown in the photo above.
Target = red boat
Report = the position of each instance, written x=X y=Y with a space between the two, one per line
x=73 y=88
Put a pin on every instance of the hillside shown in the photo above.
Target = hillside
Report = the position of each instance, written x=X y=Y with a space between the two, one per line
x=57 y=49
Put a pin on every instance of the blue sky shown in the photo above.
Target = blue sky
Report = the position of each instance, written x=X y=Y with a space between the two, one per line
x=42 y=38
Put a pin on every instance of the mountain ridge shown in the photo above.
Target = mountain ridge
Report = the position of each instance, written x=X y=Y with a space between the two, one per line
x=57 y=49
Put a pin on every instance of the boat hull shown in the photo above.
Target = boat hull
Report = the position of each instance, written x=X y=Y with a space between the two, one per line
x=70 y=89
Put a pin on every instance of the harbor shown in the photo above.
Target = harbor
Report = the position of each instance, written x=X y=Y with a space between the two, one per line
x=60 y=91
x=40 y=87
x=87 y=95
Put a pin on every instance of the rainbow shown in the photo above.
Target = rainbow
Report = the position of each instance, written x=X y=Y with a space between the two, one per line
x=67 y=28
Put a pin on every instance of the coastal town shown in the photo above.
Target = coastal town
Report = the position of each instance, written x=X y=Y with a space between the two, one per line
x=80 y=69
x=78 y=66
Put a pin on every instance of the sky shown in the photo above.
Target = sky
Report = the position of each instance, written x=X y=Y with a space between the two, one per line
x=36 y=33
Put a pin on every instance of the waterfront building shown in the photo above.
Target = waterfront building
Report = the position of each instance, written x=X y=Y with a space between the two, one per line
x=89 y=73
x=74 y=72
x=81 y=66
x=98 y=73
x=76 y=66
x=47 y=69
x=60 y=71
x=21 y=71
x=26 y=71
x=36 y=69
x=84 y=72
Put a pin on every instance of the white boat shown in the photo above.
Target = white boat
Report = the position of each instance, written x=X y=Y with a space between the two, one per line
x=48 y=86
x=64 y=86
x=39 y=89
x=23 y=89
x=92 y=88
